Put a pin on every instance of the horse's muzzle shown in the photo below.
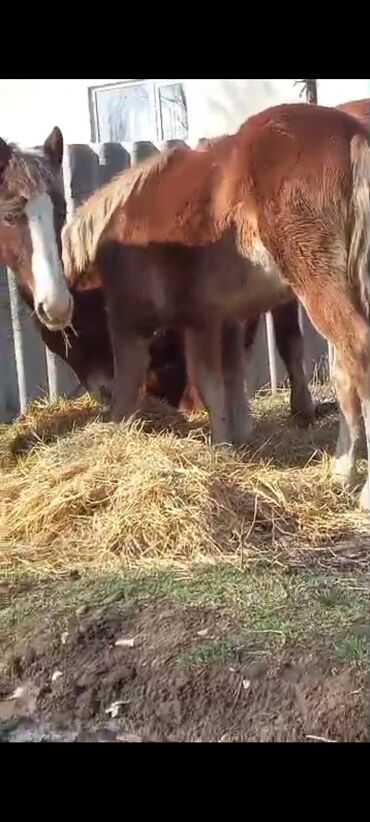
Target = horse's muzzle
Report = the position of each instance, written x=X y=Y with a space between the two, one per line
x=52 y=317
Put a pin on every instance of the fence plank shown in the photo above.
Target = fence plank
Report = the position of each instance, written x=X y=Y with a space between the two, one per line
x=113 y=158
x=80 y=174
x=141 y=150
x=52 y=371
x=271 y=348
x=15 y=310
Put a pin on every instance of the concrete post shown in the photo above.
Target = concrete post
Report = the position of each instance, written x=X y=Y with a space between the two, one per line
x=271 y=348
x=15 y=310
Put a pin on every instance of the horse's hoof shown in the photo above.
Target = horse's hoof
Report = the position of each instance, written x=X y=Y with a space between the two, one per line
x=242 y=439
x=303 y=419
x=243 y=442
x=105 y=414
x=365 y=496
x=344 y=473
x=303 y=413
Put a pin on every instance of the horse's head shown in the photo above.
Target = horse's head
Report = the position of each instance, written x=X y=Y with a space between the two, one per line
x=90 y=352
x=32 y=213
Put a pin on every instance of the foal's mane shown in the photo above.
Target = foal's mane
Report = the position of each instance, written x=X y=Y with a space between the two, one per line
x=27 y=174
x=81 y=236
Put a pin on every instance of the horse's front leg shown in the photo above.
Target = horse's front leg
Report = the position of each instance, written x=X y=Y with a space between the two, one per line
x=290 y=344
x=204 y=360
x=131 y=359
x=234 y=368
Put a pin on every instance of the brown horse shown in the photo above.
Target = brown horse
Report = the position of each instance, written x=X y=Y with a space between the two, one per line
x=30 y=188
x=32 y=212
x=290 y=193
x=289 y=341
x=288 y=335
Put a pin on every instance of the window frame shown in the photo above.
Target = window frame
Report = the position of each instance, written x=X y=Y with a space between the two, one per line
x=154 y=98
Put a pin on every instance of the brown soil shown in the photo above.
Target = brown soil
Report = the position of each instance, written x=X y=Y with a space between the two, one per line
x=248 y=696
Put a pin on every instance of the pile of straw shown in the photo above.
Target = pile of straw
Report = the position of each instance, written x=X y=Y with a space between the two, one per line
x=106 y=496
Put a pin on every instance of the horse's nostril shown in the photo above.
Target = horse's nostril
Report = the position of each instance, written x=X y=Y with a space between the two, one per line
x=41 y=313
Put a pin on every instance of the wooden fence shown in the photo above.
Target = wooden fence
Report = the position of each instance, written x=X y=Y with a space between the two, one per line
x=28 y=370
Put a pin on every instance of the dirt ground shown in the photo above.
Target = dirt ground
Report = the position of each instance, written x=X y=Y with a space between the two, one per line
x=176 y=676
x=266 y=640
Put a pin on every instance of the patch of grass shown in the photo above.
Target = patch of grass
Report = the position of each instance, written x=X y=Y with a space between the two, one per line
x=353 y=647
x=272 y=609
x=218 y=651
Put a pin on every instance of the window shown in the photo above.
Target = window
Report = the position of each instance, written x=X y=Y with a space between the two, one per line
x=142 y=110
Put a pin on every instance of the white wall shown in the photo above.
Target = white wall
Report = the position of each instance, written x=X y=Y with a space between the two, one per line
x=334 y=92
x=30 y=108
x=219 y=106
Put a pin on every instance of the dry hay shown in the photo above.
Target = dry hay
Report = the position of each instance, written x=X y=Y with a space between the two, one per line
x=106 y=496
x=43 y=422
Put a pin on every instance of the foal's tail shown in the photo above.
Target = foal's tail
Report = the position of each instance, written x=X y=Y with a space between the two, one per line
x=358 y=257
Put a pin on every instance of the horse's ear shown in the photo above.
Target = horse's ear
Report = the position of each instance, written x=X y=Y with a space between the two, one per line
x=53 y=147
x=5 y=155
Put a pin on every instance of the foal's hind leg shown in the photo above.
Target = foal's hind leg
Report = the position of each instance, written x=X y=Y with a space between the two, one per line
x=234 y=367
x=131 y=358
x=289 y=341
x=350 y=425
x=335 y=316
x=357 y=372
x=365 y=493
x=204 y=360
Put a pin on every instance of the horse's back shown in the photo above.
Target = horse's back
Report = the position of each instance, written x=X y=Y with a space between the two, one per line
x=292 y=143
x=359 y=109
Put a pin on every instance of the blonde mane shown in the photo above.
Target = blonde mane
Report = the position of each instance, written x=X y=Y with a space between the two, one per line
x=80 y=237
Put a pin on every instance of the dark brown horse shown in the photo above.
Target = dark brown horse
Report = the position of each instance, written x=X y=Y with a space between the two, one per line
x=289 y=193
x=88 y=351
x=32 y=212
x=89 y=354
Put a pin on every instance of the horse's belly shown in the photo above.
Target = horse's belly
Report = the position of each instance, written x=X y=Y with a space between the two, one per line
x=263 y=289
x=243 y=288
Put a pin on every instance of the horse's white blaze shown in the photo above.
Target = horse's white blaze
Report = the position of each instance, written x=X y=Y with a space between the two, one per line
x=51 y=291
